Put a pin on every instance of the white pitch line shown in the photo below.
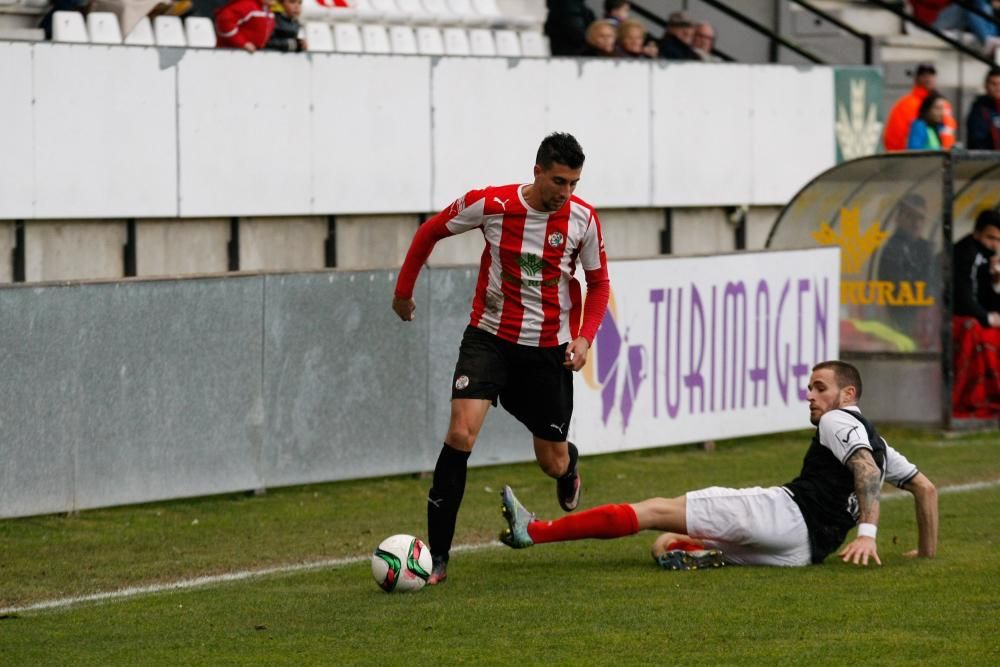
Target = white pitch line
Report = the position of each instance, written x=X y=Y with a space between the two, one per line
x=211 y=580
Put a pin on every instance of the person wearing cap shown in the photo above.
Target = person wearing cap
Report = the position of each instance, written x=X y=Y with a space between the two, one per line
x=906 y=109
x=676 y=41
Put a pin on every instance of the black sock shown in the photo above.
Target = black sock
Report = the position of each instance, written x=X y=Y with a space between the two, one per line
x=574 y=456
x=444 y=499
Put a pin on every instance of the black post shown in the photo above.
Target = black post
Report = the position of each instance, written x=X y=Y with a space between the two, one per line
x=330 y=246
x=947 y=278
x=667 y=233
x=17 y=254
x=129 y=249
x=234 y=244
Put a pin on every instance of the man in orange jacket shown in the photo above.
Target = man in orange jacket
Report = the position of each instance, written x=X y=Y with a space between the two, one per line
x=905 y=110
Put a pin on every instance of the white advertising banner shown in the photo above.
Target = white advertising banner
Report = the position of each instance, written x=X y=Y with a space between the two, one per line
x=700 y=348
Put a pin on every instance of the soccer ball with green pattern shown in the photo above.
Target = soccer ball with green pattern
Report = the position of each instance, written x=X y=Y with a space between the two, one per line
x=401 y=563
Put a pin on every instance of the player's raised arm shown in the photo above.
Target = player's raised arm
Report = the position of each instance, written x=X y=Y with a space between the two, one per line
x=925 y=499
x=460 y=216
x=867 y=488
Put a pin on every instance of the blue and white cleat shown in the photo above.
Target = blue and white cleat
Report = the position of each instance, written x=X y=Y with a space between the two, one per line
x=515 y=535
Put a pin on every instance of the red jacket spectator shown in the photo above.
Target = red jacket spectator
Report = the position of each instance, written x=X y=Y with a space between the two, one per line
x=242 y=23
x=904 y=112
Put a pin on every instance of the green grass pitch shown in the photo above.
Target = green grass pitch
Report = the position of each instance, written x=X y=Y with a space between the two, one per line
x=591 y=602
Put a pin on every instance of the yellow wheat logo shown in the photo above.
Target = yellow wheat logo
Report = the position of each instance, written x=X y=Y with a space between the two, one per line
x=855 y=247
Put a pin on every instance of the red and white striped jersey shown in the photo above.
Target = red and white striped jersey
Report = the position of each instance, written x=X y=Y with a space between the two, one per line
x=526 y=289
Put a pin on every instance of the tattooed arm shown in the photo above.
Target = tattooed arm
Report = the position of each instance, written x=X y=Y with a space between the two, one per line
x=867 y=487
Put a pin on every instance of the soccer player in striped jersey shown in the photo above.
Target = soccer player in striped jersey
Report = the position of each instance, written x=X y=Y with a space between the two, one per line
x=799 y=523
x=524 y=337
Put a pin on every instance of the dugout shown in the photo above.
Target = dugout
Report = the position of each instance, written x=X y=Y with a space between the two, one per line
x=895 y=216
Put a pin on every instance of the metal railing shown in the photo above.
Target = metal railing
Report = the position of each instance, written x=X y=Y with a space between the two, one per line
x=763 y=30
x=955 y=44
x=662 y=23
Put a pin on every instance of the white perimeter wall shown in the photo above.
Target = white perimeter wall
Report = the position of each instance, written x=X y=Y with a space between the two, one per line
x=97 y=131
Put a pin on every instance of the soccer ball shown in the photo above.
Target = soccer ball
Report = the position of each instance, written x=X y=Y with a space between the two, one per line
x=401 y=563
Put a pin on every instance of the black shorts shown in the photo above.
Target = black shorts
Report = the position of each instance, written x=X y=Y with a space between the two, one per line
x=531 y=382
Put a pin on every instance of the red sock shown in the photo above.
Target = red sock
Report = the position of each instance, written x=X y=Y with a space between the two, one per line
x=604 y=522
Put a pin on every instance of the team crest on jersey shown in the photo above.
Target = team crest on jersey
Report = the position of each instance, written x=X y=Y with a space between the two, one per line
x=556 y=239
x=462 y=382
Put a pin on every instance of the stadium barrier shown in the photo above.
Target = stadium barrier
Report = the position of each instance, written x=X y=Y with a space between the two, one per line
x=132 y=391
x=143 y=132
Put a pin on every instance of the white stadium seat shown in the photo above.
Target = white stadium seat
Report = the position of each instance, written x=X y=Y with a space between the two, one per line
x=330 y=11
x=200 y=32
x=142 y=34
x=466 y=14
x=375 y=39
x=347 y=38
x=491 y=11
x=391 y=13
x=429 y=41
x=508 y=43
x=481 y=42
x=456 y=42
x=414 y=11
x=534 y=44
x=367 y=12
x=68 y=27
x=318 y=37
x=169 y=31
x=439 y=10
x=403 y=40
x=103 y=28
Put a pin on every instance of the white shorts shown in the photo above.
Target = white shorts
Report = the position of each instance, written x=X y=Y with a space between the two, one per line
x=754 y=526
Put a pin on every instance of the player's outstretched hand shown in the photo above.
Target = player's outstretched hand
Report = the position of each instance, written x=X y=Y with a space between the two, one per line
x=404 y=308
x=860 y=550
x=576 y=354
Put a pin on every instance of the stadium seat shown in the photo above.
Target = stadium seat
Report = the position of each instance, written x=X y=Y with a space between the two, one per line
x=403 y=40
x=375 y=39
x=491 y=11
x=429 y=41
x=508 y=43
x=366 y=11
x=169 y=31
x=414 y=11
x=103 y=28
x=534 y=44
x=439 y=10
x=391 y=13
x=481 y=42
x=318 y=37
x=329 y=11
x=466 y=14
x=347 y=38
x=200 y=32
x=456 y=42
x=69 y=27
x=141 y=34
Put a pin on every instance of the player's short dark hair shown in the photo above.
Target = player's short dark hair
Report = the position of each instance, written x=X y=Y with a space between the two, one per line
x=560 y=147
x=846 y=374
x=987 y=218
x=994 y=71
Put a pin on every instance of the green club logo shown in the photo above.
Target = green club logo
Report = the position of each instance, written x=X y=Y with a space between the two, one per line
x=530 y=264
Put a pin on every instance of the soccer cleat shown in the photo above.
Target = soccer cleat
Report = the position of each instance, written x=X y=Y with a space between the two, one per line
x=439 y=571
x=515 y=535
x=690 y=559
x=568 y=488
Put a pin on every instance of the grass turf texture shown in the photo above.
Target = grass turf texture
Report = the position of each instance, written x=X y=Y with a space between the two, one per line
x=593 y=601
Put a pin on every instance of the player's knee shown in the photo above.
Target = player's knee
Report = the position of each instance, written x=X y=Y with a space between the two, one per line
x=461 y=438
x=554 y=466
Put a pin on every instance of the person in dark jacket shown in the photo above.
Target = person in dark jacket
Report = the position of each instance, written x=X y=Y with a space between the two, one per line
x=566 y=26
x=977 y=271
x=286 y=27
x=983 y=124
x=676 y=41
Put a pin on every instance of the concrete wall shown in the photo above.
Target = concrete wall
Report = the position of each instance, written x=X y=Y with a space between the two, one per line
x=6 y=250
x=171 y=247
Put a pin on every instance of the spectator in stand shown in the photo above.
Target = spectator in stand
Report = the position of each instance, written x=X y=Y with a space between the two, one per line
x=983 y=125
x=286 y=26
x=566 y=26
x=704 y=41
x=957 y=17
x=926 y=11
x=676 y=41
x=975 y=325
x=244 y=24
x=601 y=40
x=632 y=41
x=616 y=11
x=925 y=131
x=905 y=110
